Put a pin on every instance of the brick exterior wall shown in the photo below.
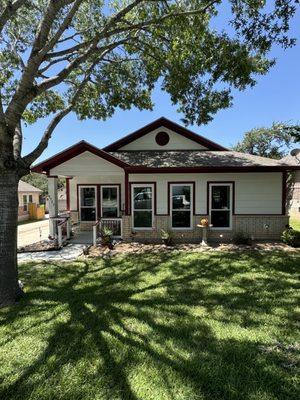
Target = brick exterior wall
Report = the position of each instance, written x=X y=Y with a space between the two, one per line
x=258 y=227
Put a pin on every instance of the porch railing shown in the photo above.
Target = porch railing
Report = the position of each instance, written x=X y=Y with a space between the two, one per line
x=114 y=224
x=63 y=224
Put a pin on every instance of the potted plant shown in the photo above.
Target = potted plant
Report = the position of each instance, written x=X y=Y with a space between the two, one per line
x=167 y=237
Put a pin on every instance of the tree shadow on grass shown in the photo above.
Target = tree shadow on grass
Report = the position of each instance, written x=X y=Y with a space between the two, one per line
x=135 y=329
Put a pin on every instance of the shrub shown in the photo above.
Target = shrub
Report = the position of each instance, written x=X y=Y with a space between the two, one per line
x=167 y=237
x=291 y=237
x=241 y=238
x=106 y=236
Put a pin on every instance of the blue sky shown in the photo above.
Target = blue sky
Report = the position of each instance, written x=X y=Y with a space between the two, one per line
x=276 y=97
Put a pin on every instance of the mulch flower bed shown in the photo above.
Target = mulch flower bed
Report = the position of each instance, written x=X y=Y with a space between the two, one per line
x=43 y=245
x=135 y=247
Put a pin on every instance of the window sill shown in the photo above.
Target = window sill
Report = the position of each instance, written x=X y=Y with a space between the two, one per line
x=221 y=229
x=182 y=229
x=142 y=229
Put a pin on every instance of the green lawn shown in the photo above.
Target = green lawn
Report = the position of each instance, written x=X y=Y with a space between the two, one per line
x=154 y=326
x=295 y=224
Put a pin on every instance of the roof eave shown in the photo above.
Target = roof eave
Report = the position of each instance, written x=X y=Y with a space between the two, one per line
x=73 y=151
x=142 y=169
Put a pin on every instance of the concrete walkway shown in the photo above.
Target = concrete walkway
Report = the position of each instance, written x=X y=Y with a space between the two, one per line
x=33 y=232
x=67 y=253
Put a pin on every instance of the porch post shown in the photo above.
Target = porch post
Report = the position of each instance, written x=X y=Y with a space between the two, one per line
x=53 y=204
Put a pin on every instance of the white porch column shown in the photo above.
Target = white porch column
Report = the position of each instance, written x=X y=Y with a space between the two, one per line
x=53 y=204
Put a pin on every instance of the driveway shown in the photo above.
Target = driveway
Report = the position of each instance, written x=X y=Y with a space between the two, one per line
x=33 y=232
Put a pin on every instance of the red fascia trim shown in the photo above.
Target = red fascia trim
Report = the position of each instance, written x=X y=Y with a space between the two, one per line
x=193 y=183
x=126 y=194
x=164 y=122
x=173 y=170
x=73 y=151
x=218 y=182
x=142 y=183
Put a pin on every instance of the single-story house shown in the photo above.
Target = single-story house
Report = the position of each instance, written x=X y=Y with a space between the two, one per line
x=27 y=194
x=293 y=203
x=164 y=176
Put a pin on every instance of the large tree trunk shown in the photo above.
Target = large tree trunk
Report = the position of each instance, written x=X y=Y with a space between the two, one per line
x=8 y=237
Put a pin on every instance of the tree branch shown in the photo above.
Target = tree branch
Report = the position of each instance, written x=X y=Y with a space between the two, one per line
x=9 y=11
x=31 y=157
x=64 y=25
x=17 y=141
x=53 y=81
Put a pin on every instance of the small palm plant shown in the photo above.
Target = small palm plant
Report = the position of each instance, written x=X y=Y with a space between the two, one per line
x=167 y=237
x=106 y=236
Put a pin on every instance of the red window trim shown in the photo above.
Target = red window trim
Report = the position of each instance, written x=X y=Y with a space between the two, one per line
x=142 y=183
x=193 y=183
x=98 y=193
x=218 y=183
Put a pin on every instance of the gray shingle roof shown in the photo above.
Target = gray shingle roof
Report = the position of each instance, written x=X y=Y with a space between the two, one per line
x=191 y=158
x=26 y=187
x=291 y=160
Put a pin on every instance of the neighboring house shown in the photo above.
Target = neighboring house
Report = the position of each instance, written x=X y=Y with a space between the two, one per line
x=27 y=194
x=294 y=184
x=163 y=176
x=61 y=199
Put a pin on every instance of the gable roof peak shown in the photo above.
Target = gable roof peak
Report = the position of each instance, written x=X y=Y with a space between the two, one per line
x=167 y=123
x=73 y=151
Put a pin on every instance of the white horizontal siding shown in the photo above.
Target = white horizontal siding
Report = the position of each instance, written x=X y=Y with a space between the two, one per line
x=255 y=193
x=86 y=164
x=177 y=142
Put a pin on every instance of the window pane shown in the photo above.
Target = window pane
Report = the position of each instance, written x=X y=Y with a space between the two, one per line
x=88 y=197
x=88 y=214
x=142 y=198
x=109 y=212
x=220 y=197
x=24 y=202
x=181 y=197
x=181 y=219
x=220 y=219
x=30 y=198
x=110 y=202
x=142 y=219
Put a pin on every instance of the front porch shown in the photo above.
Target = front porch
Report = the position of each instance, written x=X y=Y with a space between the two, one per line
x=90 y=207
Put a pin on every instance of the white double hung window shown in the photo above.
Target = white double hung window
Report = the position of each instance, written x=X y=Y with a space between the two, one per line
x=87 y=198
x=142 y=206
x=220 y=205
x=181 y=205
x=109 y=201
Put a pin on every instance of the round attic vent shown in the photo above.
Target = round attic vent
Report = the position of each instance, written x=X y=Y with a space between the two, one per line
x=162 y=138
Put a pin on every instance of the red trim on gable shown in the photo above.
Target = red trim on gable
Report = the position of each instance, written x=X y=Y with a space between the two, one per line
x=164 y=122
x=74 y=151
